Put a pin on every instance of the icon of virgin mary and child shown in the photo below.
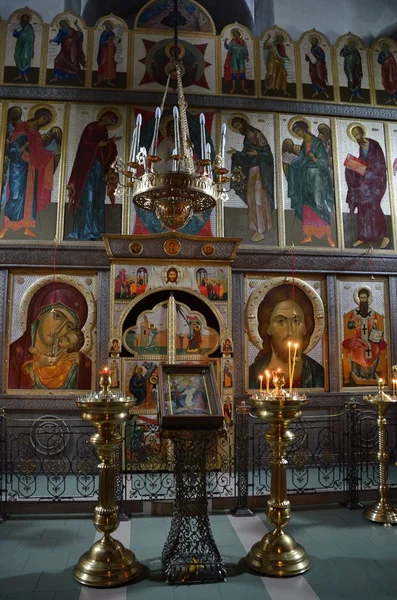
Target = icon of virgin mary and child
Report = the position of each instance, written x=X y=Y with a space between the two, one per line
x=48 y=354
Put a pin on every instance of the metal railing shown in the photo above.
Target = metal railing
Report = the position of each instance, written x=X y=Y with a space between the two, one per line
x=50 y=459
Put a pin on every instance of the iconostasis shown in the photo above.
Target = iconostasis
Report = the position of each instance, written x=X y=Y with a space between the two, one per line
x=170 y=302
x=312 y=195
x=67 y=53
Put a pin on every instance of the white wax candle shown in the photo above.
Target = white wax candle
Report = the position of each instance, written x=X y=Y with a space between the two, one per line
x=223 y=143
x=175 y=113
x=157 y=117
x=202 y=135
x=138 y=130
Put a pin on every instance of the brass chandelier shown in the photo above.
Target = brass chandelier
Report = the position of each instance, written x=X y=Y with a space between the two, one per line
x=190 y=186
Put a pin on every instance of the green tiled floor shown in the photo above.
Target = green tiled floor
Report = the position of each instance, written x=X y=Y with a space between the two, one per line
x=351 y=559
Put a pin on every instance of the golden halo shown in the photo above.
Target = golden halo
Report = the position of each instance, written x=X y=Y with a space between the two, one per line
x=170 y=46
x=116 y=112
x=367 y=289
x=384 y=40
x=351 y=39
x=259 y=294
x=108 y=21
x=315 y=37
x=351 y=127
x=292 y=121
x=234 y=116
x=48 y=107
x=163 y=124
x=24 y=12
x=64 y=19
x=234 y=30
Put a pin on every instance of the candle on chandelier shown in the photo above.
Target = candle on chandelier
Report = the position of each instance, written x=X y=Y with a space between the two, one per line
x=138 y=133
x=267 y=373
x=202 y=135
x=260 y=382
x=223 y=143
x=157 y=117
x=133 y=147
x=296 y=346
x=289 y=366
x=175 y=113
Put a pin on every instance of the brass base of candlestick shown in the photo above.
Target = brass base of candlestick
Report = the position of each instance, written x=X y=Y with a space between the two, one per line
x=381 y=512
x=278 y=555
x=106 y=564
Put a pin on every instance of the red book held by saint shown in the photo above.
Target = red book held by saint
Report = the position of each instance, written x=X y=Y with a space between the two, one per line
x=355 y=164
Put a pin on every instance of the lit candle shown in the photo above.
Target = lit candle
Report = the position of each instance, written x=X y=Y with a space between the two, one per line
x=202 y=135
x=260 y=382
x=296 y=346
x=175 y=113
x=157 y=117
x=289 y=368
x=223 y=143
x=267 y=381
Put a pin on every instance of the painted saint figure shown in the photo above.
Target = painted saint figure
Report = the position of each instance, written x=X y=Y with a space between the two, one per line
x=275 y=58
x=195 y=339
x=114 y=370
x=228 y=411
x=286 y=315
x=353 y=68
x=310 y=186
x=317 y=68
x=138 y=386
x=31 y=169
x=367 y=181
x=151 y=341
x=389 y=71
x=364 y=341
x=70 y=61
x=92 y=178
x=227 y=375
x=237 y=56
x=47 y=355
x=106 y=58
x=24 y=47
x=256 y=162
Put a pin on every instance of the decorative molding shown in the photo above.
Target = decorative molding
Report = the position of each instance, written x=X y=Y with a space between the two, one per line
x=333 y=346
x=113 y=97
x=238 y=330
x=393 y=311
x=3 y=320
x=279 y=260
x=93 y=255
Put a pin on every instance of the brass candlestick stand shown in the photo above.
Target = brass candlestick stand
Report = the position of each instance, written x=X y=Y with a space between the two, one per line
x=107 y=563
x=382 y=511
x=278 y=554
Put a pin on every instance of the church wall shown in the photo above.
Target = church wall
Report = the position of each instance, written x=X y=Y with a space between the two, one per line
x=331 y=262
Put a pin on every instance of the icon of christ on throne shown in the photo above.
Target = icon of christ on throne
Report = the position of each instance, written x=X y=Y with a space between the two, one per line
x=364 y=346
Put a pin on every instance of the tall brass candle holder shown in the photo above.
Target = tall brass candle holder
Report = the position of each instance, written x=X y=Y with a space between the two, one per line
x=277 y=553
x=382 y=511
x=107 y=563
